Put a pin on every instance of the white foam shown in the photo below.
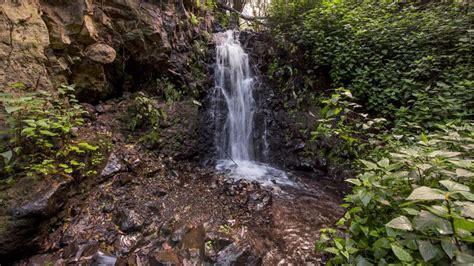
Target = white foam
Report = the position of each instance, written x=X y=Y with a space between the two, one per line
x=254 y=171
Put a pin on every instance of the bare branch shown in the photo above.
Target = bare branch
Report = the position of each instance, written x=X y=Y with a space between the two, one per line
x=243 y=16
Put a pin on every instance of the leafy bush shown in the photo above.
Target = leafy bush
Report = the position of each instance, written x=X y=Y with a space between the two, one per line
x=144 y=111
x=415 y=205
x=40 y=133
x=168 y=90
x=408 y=62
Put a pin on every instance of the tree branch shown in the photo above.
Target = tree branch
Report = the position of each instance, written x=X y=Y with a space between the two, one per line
x=243 y=16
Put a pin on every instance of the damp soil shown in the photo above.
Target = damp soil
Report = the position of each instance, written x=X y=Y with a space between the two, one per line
x=151 y=209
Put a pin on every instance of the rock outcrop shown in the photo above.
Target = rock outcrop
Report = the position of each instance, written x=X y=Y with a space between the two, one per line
x=104 y=47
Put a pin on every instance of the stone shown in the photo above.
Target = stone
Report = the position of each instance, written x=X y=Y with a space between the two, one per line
x=235 y=255
x=114 y=165
x=164 y=257
x=101 y=53
x=88 y=30
x=191 y=248
x=178 y=234
x=126 y=243
x=128 y=220
x=40 y=204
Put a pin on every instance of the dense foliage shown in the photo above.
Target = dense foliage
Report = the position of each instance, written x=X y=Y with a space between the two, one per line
x=402 y=83
x=41 y=134
x=407 y=62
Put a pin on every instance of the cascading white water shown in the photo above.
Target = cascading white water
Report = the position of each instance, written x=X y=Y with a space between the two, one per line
x=234 y=137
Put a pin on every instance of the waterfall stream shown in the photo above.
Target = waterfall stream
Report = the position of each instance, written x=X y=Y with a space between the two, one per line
x=233 y=96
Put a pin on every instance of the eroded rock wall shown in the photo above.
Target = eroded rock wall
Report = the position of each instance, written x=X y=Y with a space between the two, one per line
x=104 y=47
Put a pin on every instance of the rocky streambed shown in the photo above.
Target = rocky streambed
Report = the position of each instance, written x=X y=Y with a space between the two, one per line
x=188 y=215
x=149 y=208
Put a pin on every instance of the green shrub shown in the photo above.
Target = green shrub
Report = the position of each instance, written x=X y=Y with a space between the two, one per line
x=143 y=112
x=40 y=132
x=406 y=62
x=415 y=205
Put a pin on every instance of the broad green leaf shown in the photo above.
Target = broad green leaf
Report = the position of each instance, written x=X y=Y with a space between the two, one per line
x=354 y=181
x=427 y=250
x=462 y=163
x=369 y=165
x=43 y=123
x=364 y=196
x=464 y=224
x=411 y=211
x=446 y=154
x=438 y=210
x=28 y=131
x=361 y=261
x=11 y=109
x=467 y=208
x=401 y=223
x=464 y=173
x=332 y=250
x=467 y=195
x=401 y=253
x=7 y=156
x=425 y=193
x=382 y=243
x=449 y=247
x=427 y=221
x=48 y=133
x=453 y=186
x=384 y=163
x=465 y=259
x=87 y=146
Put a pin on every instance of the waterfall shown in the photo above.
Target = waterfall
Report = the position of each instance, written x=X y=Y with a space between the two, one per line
x=233 y=102
x=233 y=79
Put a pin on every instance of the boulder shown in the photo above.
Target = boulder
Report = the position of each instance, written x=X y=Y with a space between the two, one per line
x=101 y=53
x=24 y=220
x=128 y=220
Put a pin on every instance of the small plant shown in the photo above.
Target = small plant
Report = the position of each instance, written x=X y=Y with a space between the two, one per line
x=225 y=228
x=144 y=112
x=40 y=133
x=350 y=132
x=169 y=91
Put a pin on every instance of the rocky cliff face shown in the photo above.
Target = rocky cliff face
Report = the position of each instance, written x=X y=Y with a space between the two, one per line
x=104 y=47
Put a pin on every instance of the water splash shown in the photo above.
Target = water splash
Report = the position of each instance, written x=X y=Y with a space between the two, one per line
x=234 y=97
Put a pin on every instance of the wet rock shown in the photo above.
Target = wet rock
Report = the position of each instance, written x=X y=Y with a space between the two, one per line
x=215 y=242
x=128 y=220
x=103 y=108
x=153 y=207
x=299 y=147
x=164 y=257
x=159 y=192
x=113 y=166
x=178 y=234
x=75 y=251
x=102 y=259
x=101 y=53
x=124 y=178
x=235 y=255
x=127 y=243
x=191 y=248
x=40 y=204
x=259 y=200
